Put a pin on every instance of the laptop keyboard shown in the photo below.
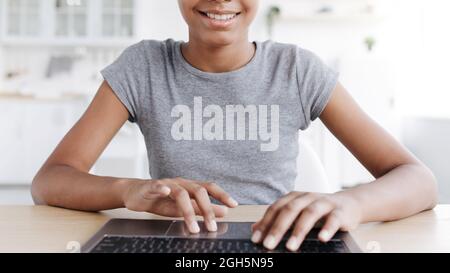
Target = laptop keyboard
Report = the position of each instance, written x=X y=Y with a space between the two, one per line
x=124 y=244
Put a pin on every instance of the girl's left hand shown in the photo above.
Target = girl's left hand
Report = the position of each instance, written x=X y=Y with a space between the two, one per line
x=302 y=211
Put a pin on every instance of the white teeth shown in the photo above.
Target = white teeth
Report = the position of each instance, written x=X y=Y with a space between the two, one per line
x=221 y=17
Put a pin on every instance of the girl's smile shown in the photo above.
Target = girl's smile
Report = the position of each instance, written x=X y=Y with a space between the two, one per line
x=219 y=23
x=219 y=19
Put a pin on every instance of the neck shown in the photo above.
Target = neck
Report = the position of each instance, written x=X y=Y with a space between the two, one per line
x=218 y=59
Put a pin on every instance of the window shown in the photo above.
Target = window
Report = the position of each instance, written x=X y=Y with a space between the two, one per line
x=23 y=17
x=117 y=18
x=71 y=18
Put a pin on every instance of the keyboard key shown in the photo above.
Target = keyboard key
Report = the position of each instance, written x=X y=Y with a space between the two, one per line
x=118 y=244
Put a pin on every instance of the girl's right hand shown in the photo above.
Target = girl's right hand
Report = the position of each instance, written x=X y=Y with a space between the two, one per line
x=179 y=197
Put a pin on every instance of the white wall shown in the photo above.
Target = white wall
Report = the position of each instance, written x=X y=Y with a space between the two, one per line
x=1 y=49
x=160 y=20
x=1 y=67
x=428 y=139
x=423 y=44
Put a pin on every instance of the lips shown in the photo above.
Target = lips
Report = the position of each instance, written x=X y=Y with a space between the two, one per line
x=220 y=16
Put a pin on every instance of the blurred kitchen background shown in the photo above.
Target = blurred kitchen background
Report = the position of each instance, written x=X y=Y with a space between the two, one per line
x=393 y=56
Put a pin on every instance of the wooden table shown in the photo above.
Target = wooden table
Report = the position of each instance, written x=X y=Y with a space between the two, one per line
x=46 y=229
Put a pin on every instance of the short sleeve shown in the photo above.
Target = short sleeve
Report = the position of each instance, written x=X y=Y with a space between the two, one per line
x=316 y=82
x=122 y=76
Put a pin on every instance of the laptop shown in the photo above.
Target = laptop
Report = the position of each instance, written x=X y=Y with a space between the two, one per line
x=161 y=236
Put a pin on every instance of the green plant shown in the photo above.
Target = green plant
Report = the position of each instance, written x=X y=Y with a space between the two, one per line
x=370 y=43
x=273 y=14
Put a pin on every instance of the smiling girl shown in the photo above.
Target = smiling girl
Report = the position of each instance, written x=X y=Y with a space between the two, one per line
x=215 y=152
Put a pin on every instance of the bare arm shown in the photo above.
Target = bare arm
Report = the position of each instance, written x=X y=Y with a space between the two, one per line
x=403 y=185
x=64 y=180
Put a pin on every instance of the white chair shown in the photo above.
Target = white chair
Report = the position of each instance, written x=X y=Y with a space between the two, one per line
x=125 y=156
x=311 y=173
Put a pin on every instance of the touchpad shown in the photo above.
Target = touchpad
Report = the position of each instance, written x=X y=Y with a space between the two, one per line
x=225 y=230
x=136 y=227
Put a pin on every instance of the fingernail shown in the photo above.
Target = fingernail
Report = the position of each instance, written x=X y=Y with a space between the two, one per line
x=212 y=226
x=269 y=242
x=195 y=228
x=256 y=237
x=233 y=202
x=165 y=190
x=325 y=235
x=293 y=244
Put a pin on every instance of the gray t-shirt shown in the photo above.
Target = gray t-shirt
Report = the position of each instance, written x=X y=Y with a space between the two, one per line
x=238 y=129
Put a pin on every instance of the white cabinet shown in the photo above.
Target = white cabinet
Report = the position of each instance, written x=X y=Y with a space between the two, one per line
x=29 y=130
x=23 y=17
x=117 y=18
x=71 y=18
x=67 y=21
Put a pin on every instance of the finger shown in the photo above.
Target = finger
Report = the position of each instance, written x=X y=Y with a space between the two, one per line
x=260 y=227
x=254 y=226
x=219 y=210
x=201 y=197
x=183 y=200
x=220 y=194
x=284 y=220
x=308 y=217
x=155 y=189
x=330 y=227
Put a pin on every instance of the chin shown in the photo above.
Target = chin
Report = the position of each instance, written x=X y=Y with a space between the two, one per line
x=219 y=39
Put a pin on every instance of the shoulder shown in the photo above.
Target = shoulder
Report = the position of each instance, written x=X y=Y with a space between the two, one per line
x=276 y=49
x=149 y=50
x=154 y=45
x=288 y=53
